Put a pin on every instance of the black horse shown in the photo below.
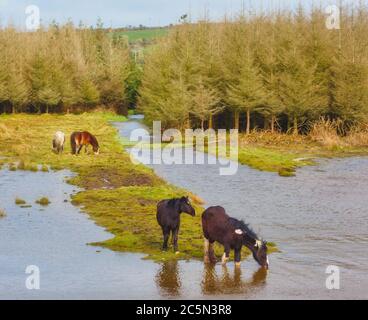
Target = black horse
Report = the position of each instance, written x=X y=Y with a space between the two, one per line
x=168 y=217
x=232 y=234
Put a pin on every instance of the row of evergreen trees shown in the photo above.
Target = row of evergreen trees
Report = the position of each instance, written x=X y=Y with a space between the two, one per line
x=285 y=65
x=61 y=67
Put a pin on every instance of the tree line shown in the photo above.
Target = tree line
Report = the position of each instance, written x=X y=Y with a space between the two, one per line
x=62 y=68
x=279 y=71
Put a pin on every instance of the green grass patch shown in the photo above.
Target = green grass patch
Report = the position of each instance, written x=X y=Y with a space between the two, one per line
x=119 y=195
x=43 y=201
x=109 y=116
x=271 y=160
x=27 y=166
x=2 y=213
x=141 y=35
x=20 y=202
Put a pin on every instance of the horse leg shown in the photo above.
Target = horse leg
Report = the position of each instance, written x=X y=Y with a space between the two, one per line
x=207 y=251
x=79 y=149
x=237 y=257
x=166 y=234
x=175 y=235
x=226 y=255
x=206 y=248
x=86 y=149
x=211 y=252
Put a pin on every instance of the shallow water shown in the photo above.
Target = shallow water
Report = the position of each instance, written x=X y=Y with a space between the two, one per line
x=55 y=238
x=317 y=218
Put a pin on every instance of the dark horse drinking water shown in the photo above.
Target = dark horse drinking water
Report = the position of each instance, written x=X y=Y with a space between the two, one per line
x=233 y=235
x=80 y=139
x=168 y=217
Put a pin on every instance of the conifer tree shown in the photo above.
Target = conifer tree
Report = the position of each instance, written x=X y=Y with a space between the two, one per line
x=4 y=79
x=248 y=93
x=205 y=103
x=350 y=90
x=89 y=94
x=17 y=89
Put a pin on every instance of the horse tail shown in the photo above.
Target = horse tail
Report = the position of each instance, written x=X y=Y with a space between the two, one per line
x=73 y=143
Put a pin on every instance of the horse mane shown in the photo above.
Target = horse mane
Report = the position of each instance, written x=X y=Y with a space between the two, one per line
x=172 y=203
x=240 y=224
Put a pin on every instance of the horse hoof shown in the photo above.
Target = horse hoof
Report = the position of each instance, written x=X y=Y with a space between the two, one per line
x=224 y=259
x=177 y=252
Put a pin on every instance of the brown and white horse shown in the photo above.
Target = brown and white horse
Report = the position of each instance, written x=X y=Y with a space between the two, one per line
x=233 y=234
x=80 y=139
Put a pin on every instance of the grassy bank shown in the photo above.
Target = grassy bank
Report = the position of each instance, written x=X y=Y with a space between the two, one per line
x=118 y=195
x=284 y=153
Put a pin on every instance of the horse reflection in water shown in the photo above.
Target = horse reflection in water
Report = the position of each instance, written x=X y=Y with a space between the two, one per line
x=168 y=279
x=231 y=284
x=214 y=282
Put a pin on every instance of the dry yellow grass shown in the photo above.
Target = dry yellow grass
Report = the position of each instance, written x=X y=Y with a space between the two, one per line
x=358 y=136
x=325 y=132
x=331 y=133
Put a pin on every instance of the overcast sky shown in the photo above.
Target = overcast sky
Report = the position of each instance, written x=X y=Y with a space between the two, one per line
x=118 y=13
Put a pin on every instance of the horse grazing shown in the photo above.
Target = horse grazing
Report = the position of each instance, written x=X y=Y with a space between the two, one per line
x=168 y=217
x=58 y=142
x=232 y=234
x=80 y=139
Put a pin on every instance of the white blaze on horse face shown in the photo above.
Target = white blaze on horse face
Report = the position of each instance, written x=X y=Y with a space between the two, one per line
x=258 y=244
x=239 y=232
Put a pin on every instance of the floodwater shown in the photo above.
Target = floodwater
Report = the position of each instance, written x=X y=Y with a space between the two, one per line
x=317 y=219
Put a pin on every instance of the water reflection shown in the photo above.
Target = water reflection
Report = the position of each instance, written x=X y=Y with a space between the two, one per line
x=230 y=282
x=216 y=280
x=168 y=279
x=305 y=215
